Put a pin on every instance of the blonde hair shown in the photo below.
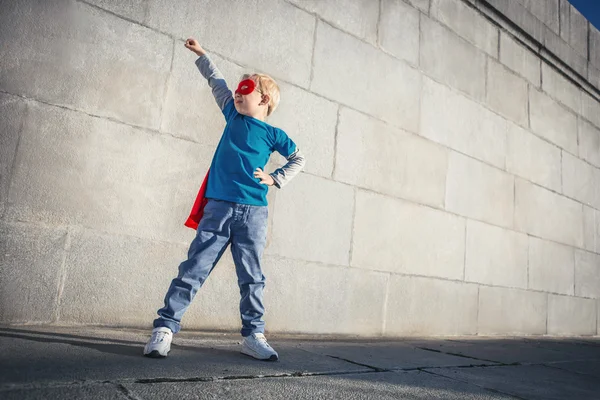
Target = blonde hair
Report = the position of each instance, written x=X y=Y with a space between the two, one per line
x=266 y=85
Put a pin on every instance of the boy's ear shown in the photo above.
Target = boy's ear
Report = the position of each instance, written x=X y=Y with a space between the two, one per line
x=265 y=99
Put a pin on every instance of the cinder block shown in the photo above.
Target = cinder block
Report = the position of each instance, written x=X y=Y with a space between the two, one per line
x=310 y=122
x=132 y=9
x=304 y=297
x=506 y=93
x=12 y=113
x=571 y=315
x=561 y=49
x=224 y=29
x=468 y=23
x=462 y=124
x=546 y=11
x=399 y=30
x=495 y=256
x=85 y=58
x=578 y=32
x=358 y=17
x=122 y=280
x=589 y=109
x=593 y=75
x=190 y=110
x=560 y=88
x=547 y=215
x=594 y=43
x=551 y=267
x=397 y=236
x=564 y=15
x=533 y=158
x=377 y=156
x=31 y=258
x=520 y=59
x=479 y=191
x=587 y=274
x=589 y=142
x=446 y=57
x=581 y=181
x=521 y=16
x=82 y=170
x=591 y=229
x=312 y=220
x=425 y=306
x=422 y=5
x=551 y=121
x=366 y=74
x=504 y=311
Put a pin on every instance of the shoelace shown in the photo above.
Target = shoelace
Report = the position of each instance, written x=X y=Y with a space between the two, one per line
x=262 y=339
x=158 y=337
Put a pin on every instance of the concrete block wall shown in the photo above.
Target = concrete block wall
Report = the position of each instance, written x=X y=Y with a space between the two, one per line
x=554 y=29
x=452 y=184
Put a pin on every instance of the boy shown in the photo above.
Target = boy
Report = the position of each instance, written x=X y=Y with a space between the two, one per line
x=236 y=209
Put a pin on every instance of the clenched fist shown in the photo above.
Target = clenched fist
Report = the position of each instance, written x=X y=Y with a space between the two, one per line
x=194 y=46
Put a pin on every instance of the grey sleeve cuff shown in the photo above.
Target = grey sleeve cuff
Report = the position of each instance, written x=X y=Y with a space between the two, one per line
x=276 y=183
x=215 y=79
x=282 y=176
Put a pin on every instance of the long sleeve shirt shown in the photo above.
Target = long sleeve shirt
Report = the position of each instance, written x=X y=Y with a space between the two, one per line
x=246 y=144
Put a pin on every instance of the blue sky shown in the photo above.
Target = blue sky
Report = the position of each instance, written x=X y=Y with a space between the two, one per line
x=590 y=9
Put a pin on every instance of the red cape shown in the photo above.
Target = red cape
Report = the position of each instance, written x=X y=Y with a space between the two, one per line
x=198 y=208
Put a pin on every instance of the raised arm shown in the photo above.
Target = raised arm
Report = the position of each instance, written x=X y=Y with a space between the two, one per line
x=209 y=70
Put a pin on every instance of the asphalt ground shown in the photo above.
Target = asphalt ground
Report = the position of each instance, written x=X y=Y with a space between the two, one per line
x=52 y=362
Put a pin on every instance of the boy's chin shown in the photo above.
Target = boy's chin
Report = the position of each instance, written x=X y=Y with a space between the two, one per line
x=243 y=112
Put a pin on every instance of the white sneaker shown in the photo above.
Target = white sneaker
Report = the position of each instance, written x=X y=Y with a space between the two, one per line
x=160 y=343
x=256 y=346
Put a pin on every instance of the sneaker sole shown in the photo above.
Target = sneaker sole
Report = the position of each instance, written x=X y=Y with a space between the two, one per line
x=154 y=354
x=254 y=355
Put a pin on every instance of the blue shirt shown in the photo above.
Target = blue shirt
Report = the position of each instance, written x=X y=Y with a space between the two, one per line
x=246 y=144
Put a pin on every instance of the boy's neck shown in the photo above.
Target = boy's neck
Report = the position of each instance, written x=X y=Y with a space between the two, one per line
x=260 y=116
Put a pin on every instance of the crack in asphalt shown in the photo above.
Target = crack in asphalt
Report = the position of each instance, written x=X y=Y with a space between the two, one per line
x=457 y=354
x=569 y=370
x=244 y=377
x=120 y=384
x=128 y=393
x=377 y=369
x=475 y=384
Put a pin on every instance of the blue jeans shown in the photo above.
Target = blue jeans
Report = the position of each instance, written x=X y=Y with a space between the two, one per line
x=223 y=222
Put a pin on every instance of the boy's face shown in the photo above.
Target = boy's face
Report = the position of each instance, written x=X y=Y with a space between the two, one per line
x=253 y=104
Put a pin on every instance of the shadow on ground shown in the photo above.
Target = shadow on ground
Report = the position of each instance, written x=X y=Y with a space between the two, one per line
x=59 y=362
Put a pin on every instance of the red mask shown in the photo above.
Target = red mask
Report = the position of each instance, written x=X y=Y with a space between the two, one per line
x=246 y=87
